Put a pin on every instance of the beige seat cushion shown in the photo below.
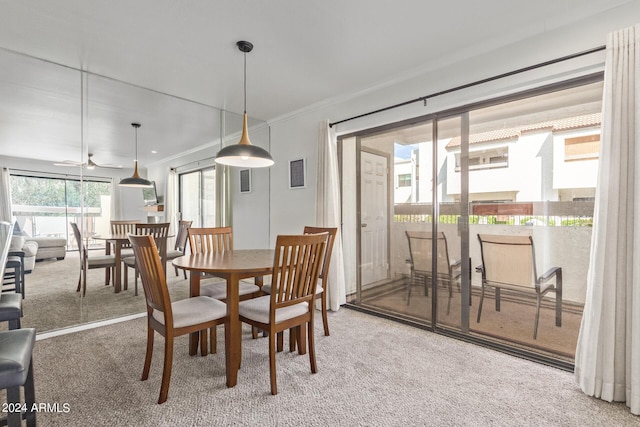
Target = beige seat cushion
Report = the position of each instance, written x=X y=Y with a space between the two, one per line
x=96 y=261
x=258 y=309
x=192 y=311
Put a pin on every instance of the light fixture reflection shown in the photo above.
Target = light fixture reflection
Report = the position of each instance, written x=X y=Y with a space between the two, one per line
x=135 y=180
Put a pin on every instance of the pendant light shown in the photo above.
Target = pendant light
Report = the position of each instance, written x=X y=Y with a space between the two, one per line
x=244 y=154
x=135 y=180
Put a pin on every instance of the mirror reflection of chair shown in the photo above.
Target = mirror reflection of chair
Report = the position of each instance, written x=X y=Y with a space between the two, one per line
x=88 y=263
x=160 y=232
x=10 y=302
x=212 y=240
x=420 y=252
x=124 y=227
x=508 y=262
x=13 y=278
x=181 y=244
x=169 y=319
x=296 y=268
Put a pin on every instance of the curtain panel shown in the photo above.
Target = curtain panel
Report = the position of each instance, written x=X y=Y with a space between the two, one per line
x=607 y=364
x=328 y=210
x=6 y=213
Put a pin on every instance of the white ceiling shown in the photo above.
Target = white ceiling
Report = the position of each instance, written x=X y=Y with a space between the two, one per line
x=306 y=52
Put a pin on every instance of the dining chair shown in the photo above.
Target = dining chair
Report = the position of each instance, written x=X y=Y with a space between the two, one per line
x=213 y=240
x=181 y=244
x=124 y=227
x=160 y=232
x=509 y=263
x=324 y=278
x=16 y=371
x=88 y=263
x=296 y=267
x=169 y=319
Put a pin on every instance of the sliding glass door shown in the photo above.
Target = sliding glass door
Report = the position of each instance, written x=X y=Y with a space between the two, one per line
x=429 y=189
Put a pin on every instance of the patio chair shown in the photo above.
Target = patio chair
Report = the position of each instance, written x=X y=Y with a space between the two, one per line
x=420 y=252
x=509 y=263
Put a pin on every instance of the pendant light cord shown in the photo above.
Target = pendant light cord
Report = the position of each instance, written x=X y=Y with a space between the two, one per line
x=245 y=82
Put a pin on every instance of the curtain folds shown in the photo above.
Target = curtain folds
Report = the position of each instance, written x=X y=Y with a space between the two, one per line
x=607 y=364
x=171 y=202
x=6 y=213
x=328 y=210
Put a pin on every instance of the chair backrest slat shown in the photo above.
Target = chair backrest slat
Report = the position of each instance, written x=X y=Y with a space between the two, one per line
x=210 y=239
x=296 y=268
x=508 y=259
x=159 y=231
x=183 y=235
x=124 y=227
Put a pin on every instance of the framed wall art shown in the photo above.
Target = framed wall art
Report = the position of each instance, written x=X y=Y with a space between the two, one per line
x=297 y=173
x=245 y=180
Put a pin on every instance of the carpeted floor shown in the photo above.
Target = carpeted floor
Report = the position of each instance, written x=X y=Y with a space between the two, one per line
x=52 y=302
x=372 y=372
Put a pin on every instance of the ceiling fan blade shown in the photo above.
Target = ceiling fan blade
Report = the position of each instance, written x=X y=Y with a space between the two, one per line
x=69 y=163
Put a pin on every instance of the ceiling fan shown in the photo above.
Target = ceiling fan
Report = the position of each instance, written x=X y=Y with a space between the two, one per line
x=89 y=164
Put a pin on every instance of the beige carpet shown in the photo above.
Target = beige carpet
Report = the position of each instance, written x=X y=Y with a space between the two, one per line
x=372 y=372
x=52 y=302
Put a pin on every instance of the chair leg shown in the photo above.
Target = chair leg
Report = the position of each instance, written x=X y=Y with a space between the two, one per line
x=30 y=397
x=125 y=277
x=301 y=339
x=312 y=348
x=325 y=322
x=213 y=336
x=480 y=304
x=280 y=341
x=149 y=353
x=535 y=324
x=136 y=281
x=14 y=324
x=272 y=362
x=79 y=282
x=14 y=417
x=203 y=343
x=166 y=370
x=293 y=338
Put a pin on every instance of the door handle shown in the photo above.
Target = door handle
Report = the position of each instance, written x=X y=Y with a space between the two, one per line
x=363 y=225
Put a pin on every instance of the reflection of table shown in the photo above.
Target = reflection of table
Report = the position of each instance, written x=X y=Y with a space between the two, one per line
x=118 y=241
x=232 y=266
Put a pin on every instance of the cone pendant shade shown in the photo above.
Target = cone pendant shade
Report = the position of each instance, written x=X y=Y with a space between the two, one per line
x=135 y=180
x=244 y=154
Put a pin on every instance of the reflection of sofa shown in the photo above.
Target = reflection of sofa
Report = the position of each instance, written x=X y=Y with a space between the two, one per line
x=29 y=247
x=49 y=247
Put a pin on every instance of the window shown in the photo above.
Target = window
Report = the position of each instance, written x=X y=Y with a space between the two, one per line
x=486 y=159
x=198 y=197
x=44 y=206
x=582 y=148
x=404 y=180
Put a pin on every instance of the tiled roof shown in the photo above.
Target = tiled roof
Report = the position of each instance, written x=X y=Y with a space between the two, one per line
x=577 y=122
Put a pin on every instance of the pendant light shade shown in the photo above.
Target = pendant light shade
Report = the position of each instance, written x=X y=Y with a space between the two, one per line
x=244 y=154
x=135 y=180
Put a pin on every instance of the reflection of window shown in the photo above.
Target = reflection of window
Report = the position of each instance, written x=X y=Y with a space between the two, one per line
x=404 y=180
x=486 y=159
x=582 y=148
x=197 y=197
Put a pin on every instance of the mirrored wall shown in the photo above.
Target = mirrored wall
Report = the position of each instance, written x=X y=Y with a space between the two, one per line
x=66 y=137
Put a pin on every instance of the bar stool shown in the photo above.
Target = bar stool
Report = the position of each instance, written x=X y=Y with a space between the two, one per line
x=16 y=370
x=14 y=272
x=11 y=309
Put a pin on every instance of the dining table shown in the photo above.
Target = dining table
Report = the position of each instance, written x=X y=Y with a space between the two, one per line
x=233 y=266
x=118 y=241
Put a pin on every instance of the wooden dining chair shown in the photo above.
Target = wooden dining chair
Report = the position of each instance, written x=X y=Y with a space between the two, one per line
x=181 y=244
x=124 y=227
x=88 y=263
x=169 y=319
x=296 y=267
x=160 y=232
x=212 y=240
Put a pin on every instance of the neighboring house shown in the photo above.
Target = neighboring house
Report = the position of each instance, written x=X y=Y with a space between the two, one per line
x=559 y=157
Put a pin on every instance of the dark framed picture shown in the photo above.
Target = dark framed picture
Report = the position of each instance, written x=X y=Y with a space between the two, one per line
x=245 y=181
x=297 y=173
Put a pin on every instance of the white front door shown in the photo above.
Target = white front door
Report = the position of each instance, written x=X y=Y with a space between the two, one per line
x=373 y=218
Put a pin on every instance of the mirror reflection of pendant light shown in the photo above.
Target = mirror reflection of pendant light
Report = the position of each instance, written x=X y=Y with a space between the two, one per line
x=135 y=180
x=244 y=154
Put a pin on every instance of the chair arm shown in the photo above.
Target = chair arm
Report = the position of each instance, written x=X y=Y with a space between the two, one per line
x=553 y=271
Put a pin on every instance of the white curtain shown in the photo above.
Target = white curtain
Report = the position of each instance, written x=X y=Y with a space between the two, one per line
x=171 y=202
x=328 y=210
x=5 y=196
x=607 y=362
x=116 y=209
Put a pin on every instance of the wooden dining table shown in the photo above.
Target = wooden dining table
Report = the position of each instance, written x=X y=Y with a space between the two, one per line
x=232 y=266
x=118 y=240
